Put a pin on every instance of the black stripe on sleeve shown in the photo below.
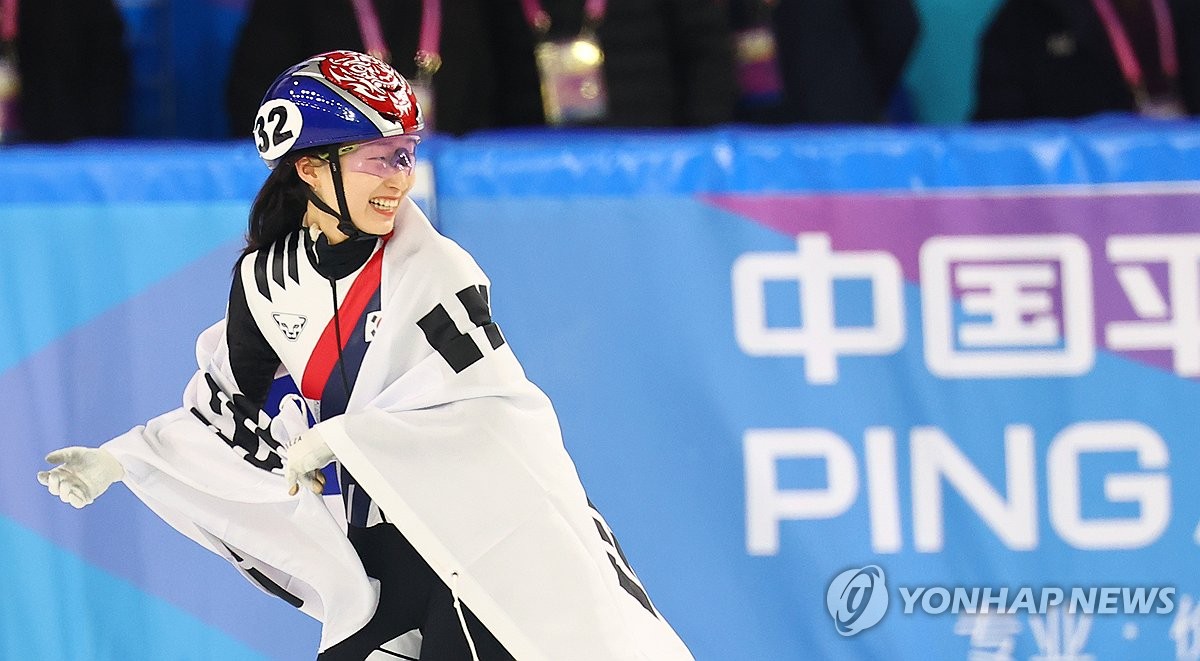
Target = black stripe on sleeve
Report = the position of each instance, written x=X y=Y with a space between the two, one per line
x=260 y=273
x=277 y=262
x=293 y=254
x=251 y=358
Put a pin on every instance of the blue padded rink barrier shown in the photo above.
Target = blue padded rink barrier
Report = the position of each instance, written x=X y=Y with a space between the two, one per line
x=843 y=393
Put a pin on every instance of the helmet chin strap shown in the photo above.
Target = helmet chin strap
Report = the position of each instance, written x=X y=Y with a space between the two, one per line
x=345 y=225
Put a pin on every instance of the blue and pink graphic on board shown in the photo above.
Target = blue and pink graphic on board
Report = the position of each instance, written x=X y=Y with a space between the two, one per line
x=777 y=356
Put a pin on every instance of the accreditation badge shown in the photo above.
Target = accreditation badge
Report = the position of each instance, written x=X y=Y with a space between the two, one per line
x=572 y=77
x=10 y=91
x=422 y=87
x=757 y=62
x=1159 y=106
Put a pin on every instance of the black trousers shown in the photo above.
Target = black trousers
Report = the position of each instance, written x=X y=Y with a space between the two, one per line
x=411 y=597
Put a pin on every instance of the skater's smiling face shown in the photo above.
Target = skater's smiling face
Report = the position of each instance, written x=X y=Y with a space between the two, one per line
x=376 y=177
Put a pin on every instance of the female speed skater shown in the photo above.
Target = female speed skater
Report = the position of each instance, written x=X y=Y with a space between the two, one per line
x=467 y=532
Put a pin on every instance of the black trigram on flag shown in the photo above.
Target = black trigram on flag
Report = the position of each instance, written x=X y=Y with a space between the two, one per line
x=244 y=427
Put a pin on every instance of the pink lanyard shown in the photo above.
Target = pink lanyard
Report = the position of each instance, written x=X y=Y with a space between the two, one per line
x=539 y=20
x=1130 y=68
x=428 y=59
x=8 y=21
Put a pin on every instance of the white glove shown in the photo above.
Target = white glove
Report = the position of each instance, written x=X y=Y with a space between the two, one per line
x=304 y=460
x=85 y=473
x=291 y=421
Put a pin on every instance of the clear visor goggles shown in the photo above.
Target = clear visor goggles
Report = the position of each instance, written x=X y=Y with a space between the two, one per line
x=383 y=157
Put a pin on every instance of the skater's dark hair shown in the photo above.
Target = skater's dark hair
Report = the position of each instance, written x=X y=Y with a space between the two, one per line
x=278 y=209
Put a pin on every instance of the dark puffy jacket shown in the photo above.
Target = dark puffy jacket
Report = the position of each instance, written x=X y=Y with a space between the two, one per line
x=667 y=62
x=74 y=70
x=841 y=61
x=474 y=88
x=1052 y=58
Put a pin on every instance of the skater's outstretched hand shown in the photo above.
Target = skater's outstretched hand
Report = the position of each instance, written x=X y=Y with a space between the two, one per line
x=83 y=474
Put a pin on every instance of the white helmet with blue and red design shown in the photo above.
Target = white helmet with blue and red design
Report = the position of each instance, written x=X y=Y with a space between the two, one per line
x=334 y=98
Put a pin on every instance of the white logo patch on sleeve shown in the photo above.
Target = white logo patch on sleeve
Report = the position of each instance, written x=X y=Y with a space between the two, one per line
x=290 y=324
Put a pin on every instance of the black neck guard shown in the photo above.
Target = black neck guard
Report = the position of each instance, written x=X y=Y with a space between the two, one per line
x=338 y=261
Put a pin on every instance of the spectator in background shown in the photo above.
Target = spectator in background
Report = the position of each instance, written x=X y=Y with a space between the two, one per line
x=476 y=39
x=1072 y=58
x=71 y=70
x=666 y=63
x=821 y=61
